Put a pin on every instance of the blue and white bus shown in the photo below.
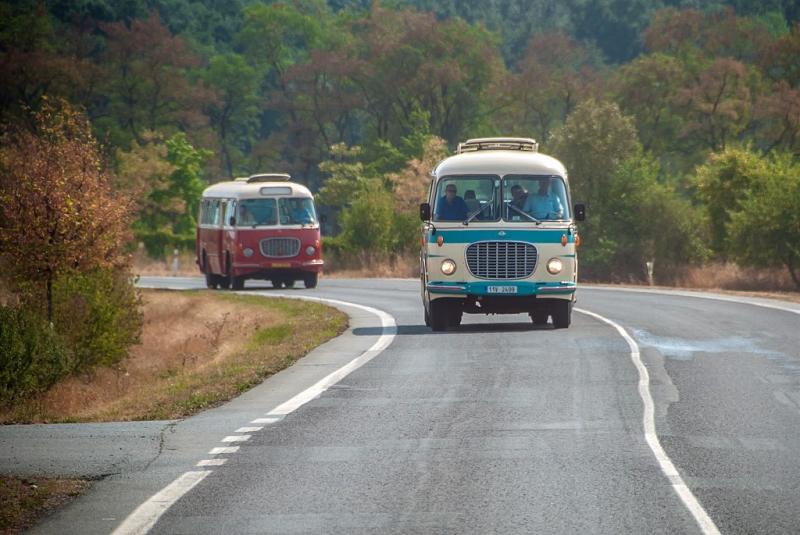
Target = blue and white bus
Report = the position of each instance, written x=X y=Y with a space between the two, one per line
x=499 y=235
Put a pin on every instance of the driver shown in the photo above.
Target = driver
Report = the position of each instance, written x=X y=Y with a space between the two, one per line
x=544 y=204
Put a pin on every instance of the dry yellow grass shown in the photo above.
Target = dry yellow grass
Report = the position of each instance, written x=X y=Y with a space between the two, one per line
x=197 y=349
x=24 y=500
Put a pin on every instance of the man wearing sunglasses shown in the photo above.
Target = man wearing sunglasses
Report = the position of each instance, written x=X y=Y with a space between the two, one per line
x=451 y=207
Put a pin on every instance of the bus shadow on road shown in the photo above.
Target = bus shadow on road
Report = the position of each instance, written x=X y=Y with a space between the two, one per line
x=468 y=328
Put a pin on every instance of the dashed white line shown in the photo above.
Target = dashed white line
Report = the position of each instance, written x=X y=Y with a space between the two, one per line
x=700 y=515
x=212 y=462
x=248 y=429
x=236 y=438
x=147 y=514
x=223 y=449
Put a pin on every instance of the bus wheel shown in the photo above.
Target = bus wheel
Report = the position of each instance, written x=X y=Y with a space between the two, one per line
x=277 y=283
x=237 y=283
x=562 y=314
x=539 y=317
x=310 y=280
x=211 y=281
x=439 y=316
x=289 y=283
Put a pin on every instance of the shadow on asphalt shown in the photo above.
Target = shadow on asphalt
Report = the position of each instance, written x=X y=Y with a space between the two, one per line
x=468 y=328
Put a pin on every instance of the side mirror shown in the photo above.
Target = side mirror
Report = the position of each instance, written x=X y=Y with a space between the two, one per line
x=580 y=212
x=425 y=211
x=232 y=221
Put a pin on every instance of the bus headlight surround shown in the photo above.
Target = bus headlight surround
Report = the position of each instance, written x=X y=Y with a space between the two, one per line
x=310 y=250
x=554 y=266
x=448 y=267
x=247 y=252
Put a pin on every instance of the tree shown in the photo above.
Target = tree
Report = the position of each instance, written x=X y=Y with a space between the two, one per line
x=164 y=178
x=764 y=228
x=722 y=182
x=234 y=114
x=57 y=209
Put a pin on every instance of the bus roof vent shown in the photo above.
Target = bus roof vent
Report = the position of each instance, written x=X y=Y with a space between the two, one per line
x=498 y=143
x=265 y=177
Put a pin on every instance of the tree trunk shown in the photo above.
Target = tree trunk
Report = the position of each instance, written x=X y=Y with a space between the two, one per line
x=50 y=299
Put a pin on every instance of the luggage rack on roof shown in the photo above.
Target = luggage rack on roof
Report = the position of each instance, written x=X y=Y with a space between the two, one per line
x=498 y=143
x=264 y=177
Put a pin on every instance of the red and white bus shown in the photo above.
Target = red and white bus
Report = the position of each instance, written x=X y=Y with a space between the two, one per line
x=258 y=227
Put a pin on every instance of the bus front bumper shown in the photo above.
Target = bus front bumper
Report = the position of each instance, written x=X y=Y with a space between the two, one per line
x=501 y=288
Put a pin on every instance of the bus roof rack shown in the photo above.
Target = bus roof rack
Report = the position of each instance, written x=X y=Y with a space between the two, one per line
x=498 y=143
x=264 y=177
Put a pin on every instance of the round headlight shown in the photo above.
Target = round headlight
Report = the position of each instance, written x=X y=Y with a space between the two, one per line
x=448 y=267
x=310 y=250
x=248 y=252
x=554 y=266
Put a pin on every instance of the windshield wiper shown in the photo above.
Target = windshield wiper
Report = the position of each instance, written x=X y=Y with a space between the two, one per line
x=476 y=214
x=526 y=214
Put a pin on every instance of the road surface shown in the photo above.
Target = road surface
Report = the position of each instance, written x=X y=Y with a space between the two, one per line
x=495 y=427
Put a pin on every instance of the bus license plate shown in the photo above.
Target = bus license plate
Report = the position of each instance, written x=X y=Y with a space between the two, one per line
x=281 y=264
x=501 y=289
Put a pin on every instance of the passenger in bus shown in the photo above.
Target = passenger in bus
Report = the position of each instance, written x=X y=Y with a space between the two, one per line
x=300 y=213
x=518 y=197
x=473 y=204
x=246 y=218
x=544 y=204
x=451 y=207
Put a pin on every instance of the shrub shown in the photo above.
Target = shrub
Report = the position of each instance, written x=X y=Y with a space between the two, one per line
x=33 y=355
x=97 y=314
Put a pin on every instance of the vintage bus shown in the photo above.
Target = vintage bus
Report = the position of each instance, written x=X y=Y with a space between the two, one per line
x=499 y=235
x=258 y=227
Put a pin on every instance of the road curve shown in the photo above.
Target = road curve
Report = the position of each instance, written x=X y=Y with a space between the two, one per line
x=503 y=427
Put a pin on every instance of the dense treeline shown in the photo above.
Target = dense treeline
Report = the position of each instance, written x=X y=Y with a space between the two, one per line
x=677 y=119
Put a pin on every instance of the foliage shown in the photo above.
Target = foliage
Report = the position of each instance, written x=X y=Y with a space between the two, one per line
x=97 y=314
x=764 y=226
x=34 y=356
x=164 y=177
x=722 y=182
x=57 y=210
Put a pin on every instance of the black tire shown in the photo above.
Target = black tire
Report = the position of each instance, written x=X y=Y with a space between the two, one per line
x=277 y=283
x=289 y=283
x=439 y=316
x=310 y=280
x=237 y=283
x=211 y=279
x=562 y=314
x=539 y=317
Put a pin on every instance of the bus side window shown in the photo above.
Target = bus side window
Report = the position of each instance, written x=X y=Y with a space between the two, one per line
x=215 y=213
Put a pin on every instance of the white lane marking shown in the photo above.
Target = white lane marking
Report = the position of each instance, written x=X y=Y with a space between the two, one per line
x=270 y=420
x=212 y=462
x=236 y=438
x=707 y=525
x=248 y=429
x=223 y=449
x=389 y=330
x=742 y=300
x=146 y=515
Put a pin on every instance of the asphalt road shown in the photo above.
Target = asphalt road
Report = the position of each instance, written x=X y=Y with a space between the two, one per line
x=496 y=427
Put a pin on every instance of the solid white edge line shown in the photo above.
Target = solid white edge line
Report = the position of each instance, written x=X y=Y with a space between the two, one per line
x=146 y=515
x=700 y=515
x=741 y=300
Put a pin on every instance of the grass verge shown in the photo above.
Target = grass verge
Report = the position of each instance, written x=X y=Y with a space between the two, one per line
x=24 y=500
x=198 y=349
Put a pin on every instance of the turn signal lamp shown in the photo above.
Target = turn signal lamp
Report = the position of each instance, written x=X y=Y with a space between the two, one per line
x=439 y=241
x=564 y=240
x=577 y=240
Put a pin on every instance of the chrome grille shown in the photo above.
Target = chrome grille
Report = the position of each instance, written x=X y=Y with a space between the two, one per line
x=280 y=247
x=501 y=260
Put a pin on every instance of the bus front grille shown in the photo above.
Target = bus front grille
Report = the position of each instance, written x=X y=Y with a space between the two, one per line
x=501 y=260
x=280 y=247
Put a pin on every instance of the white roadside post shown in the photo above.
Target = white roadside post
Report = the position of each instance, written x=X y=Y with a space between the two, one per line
x=175 y=262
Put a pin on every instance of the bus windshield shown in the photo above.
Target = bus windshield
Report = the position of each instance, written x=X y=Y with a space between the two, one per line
x=257 y=212
x=534 y=198
x=467 y=197
x=297 y=211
